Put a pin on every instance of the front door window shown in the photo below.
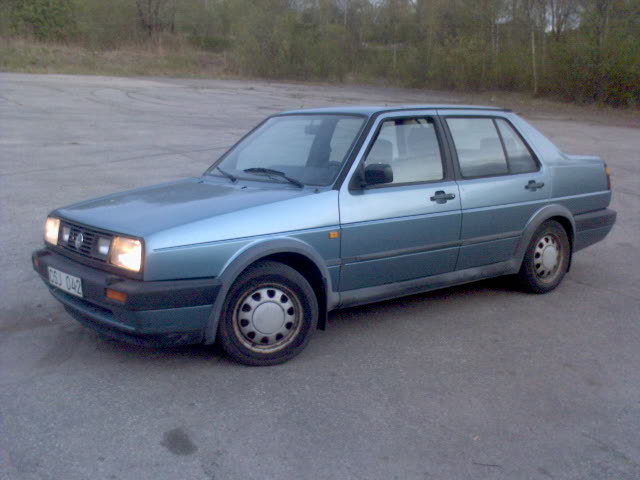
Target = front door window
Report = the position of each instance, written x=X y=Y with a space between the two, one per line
x=410 y=147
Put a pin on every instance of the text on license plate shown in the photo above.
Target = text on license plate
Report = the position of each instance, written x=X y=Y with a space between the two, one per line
x=66 y=282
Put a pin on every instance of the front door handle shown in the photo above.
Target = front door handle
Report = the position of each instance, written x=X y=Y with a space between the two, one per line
x=441 y=197
x=533 y=185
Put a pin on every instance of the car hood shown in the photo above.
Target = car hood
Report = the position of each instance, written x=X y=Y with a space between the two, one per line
x=148 y=210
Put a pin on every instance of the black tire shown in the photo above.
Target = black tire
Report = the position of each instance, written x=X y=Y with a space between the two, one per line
x=287 y=314
x=539 y=273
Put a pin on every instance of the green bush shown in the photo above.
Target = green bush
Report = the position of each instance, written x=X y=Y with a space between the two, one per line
x=284 y=46
x=44 y=19
x=210 y=43
x=104 y=25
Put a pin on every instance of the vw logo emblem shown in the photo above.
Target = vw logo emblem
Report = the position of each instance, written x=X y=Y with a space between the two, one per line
x=78 y=241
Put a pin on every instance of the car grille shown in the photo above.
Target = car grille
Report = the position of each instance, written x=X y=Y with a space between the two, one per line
x=88 y=247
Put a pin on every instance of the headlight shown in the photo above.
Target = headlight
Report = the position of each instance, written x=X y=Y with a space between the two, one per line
x=126 y=253
x=51 y=229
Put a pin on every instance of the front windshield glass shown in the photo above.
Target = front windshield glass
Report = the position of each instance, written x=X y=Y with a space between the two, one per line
x=307 y=148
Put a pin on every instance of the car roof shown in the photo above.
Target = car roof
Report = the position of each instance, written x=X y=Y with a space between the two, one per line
x=369 y=110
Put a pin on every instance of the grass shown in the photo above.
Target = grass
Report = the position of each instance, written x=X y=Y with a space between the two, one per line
x=177 y=59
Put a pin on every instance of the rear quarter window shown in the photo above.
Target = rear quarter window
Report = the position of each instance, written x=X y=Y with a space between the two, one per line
x=520 y=158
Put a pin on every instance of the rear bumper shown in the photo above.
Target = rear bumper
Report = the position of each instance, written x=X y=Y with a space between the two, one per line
x=154 y=314
x=592 y=227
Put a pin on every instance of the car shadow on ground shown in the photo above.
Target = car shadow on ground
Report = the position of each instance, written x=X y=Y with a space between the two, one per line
x=350 y=318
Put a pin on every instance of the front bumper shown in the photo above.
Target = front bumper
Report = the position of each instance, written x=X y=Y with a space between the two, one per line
x=154 y=314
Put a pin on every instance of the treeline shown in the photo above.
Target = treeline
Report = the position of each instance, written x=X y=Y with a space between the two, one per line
x=579 y=50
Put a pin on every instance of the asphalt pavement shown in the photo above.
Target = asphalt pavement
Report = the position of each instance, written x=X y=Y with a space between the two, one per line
x=473 y=382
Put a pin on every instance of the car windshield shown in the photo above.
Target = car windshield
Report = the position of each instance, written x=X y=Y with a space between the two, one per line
x=309 y=149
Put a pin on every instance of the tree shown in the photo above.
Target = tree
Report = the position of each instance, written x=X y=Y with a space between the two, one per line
x=156 y=16
x=561 y=12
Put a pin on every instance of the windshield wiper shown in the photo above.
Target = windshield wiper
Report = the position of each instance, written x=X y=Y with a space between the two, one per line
x=274 y=173
x=227 y=174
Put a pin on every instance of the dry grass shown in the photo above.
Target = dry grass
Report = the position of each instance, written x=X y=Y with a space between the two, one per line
x=153 y=59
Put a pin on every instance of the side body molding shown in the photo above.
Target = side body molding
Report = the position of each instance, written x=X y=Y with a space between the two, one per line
x=538 y=218
x=256 y=251
x=507 y=267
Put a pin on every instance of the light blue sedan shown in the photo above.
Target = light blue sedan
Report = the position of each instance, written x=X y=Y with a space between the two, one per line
x=321 y=209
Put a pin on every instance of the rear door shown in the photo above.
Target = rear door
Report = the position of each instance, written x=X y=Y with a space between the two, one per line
x=409 y=228
x=502 y=184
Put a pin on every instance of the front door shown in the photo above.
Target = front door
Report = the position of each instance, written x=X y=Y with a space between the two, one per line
x=409 y=228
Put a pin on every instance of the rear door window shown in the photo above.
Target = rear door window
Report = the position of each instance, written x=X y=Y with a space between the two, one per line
x=480 y=152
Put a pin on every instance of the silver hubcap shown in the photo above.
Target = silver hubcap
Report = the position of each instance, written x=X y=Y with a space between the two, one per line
x=267 y=319
x=547 y=257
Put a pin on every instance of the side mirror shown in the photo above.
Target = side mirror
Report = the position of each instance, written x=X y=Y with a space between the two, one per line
x=378 y=174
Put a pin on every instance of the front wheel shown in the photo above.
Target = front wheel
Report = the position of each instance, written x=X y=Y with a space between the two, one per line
x=269 y=315
x=546 y=260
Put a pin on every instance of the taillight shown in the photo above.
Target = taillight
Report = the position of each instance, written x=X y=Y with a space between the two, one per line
x=608 y=172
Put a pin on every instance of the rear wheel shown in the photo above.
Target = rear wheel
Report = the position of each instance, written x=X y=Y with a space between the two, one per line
x=269 y=315
x=546 y=260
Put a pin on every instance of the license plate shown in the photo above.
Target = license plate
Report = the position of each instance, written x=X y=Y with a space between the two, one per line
x=66 y=282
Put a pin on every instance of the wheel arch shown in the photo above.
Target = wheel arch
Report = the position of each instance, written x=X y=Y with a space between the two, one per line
x=560 y=214
x=292 y=252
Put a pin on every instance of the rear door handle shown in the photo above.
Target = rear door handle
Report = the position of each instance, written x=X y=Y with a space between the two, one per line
x=533 y=185
x=441 y=197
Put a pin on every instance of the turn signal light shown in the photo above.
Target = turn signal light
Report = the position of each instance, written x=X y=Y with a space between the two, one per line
x=117 y=296
x=607 y=170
